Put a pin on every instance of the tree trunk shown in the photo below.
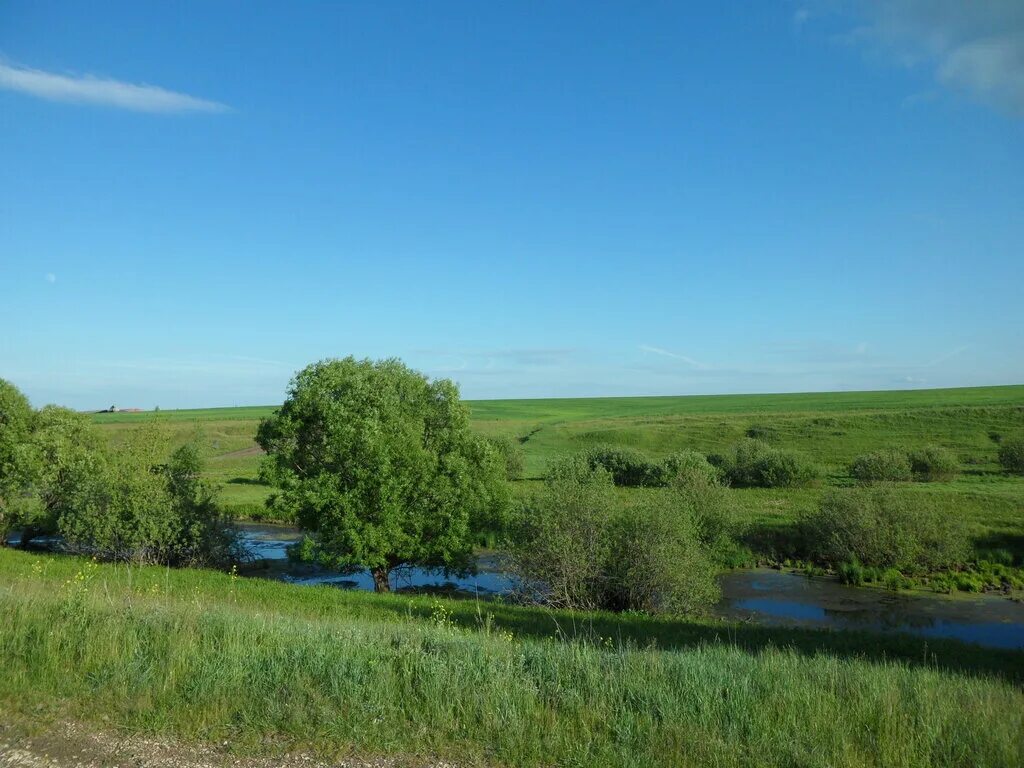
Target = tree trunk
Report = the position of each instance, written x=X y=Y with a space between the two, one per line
x=380 y=579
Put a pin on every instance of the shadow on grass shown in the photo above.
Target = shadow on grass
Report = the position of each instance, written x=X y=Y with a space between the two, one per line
x=246 y=481
x=638 y=631
x=1011 y=542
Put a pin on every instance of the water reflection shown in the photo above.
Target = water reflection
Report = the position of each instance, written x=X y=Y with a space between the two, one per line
x=788 y=599
x=268 y=545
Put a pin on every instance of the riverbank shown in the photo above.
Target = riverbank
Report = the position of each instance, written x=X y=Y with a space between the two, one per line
x=777 y=598
x=208 y=657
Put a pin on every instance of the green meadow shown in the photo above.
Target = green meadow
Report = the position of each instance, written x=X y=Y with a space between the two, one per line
x=829 y=428
x=266 y=667
x=203 y=657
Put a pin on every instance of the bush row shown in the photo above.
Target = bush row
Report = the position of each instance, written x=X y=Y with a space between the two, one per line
x=751 y=464
x=142 y=501
x=927 y=464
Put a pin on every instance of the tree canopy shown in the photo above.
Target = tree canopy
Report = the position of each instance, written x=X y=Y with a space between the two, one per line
x=17 y=459
x=379 y=465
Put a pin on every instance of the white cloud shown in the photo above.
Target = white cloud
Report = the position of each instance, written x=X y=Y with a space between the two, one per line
x=972 y=46
x=945 y=356
x=88 y=89
x=674 y=355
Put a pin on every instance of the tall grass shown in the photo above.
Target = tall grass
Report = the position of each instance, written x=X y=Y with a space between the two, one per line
x=216 y=662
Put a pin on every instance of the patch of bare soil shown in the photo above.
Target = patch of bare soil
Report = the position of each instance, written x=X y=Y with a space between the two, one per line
x=69 y=745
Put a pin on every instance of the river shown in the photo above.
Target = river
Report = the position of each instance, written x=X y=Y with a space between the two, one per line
x=759 y=595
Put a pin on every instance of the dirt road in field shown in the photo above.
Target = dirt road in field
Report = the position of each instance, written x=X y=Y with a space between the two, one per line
x=71 y=746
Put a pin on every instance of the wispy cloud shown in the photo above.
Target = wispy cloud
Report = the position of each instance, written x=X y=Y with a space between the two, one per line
x=945 y=356
x=675 y=356
x=88 y=89
x=976 y=46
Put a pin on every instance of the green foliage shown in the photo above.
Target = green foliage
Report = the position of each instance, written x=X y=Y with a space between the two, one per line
x=627 y=467
x=631 y=468
x=687 y=467
x=657 y=562
x=886 y=465
x=1011 y=454
x=18 y=463
x=558 y=543
x=756 y=464
x=880 y=527
x=511 y=453
x=829 y=428
x=204 y=533
x=575 y=546
x=894 y=580
x=698 y=496
x=135 y=503
x=380 y=466
x=851 y=572
x=933 y=463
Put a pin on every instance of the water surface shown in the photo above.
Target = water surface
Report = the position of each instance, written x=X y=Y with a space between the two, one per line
x=760 y=595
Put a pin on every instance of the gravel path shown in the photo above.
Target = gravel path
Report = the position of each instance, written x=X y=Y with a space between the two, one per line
x=72 y=746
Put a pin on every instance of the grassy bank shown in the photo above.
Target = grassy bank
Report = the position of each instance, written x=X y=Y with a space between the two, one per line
x=207 y=656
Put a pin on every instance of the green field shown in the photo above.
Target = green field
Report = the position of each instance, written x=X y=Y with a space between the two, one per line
x=264 y=667
x=267 y=667
x=831 y=428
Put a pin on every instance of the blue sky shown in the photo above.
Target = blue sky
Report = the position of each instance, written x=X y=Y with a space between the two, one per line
x=534 y=199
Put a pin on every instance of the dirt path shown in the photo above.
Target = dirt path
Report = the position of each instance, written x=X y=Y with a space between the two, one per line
x=69 y=745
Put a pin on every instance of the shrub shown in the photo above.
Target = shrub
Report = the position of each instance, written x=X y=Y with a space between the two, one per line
x=764 y=432
x=851 y=572
x=1011 y=455
x=998 y=556
x=627 y=466
x=656 y=561
x=575 y=546
x=878 y=466
x=756 y=464
x=698 y=495
x=894 y=580
x=558 y=543
x=138 y=505
x=511 y=452
x=934 y=463
x=881 y=528
x=689 y=465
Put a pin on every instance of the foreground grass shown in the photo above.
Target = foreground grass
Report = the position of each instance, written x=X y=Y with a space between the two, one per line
x=205 y=656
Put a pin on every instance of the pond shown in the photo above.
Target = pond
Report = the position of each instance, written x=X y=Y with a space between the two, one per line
x=760 y=595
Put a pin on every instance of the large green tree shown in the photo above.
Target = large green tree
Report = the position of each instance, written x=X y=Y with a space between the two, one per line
x=18 y=462
x=379 y=465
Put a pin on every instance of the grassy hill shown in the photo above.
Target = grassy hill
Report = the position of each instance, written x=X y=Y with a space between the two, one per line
x=831 y=428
